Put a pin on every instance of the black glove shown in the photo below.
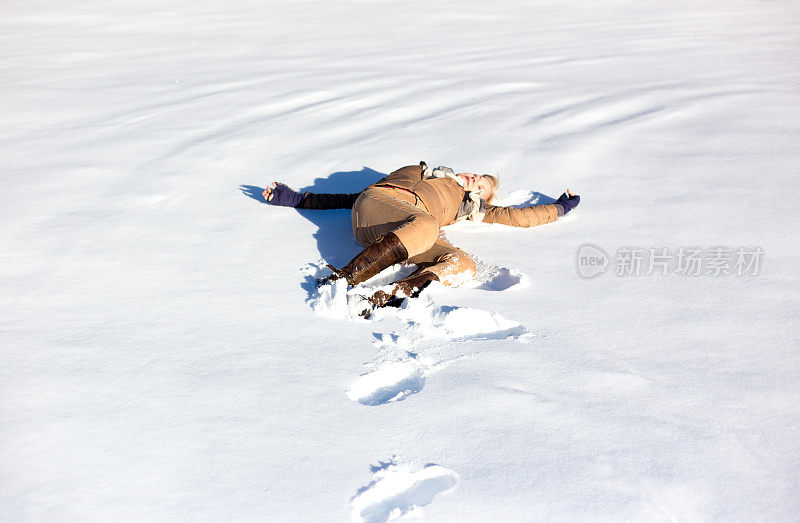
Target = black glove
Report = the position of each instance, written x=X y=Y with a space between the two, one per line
x=284 y=196
x=568 y=202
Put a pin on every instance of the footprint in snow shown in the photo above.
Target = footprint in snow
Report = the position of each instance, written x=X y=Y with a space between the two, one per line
x=393 y=381
x=397 y=380
x=398 y=490
x=492 y=278
x=465 y=324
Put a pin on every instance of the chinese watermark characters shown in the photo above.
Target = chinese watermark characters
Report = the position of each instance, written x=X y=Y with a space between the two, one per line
x=663 y=261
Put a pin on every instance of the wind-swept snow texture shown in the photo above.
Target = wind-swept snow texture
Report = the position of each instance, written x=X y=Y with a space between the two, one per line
x=163 y=350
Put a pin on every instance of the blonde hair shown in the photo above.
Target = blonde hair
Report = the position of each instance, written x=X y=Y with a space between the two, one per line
x=495 y=184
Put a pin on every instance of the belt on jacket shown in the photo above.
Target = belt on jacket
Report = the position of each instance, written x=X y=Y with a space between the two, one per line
x=416 y=198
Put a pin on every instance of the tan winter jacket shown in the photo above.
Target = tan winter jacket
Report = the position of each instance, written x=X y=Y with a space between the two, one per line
x=443 y=198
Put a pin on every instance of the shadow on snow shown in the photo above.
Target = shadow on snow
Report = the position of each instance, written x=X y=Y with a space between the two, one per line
x=334 y=234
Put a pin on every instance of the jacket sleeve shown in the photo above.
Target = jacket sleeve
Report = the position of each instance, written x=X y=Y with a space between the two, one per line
x=525 y=217
x=327 y=201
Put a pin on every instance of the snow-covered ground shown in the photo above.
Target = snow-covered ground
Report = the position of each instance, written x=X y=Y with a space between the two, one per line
x=166 y=358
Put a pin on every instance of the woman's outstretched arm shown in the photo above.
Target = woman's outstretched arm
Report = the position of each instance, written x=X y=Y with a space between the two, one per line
x=280 y=194
x=533 y=215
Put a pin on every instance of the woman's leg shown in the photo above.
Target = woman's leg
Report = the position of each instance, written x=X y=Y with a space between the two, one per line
x=379 y=211
x=451 y=265
x=442 y=262
x=390 y=228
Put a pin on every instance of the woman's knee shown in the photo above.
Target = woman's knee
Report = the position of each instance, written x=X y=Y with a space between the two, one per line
x=418 y=234
x=468 y=265
x=463 y=265
x=455 y=268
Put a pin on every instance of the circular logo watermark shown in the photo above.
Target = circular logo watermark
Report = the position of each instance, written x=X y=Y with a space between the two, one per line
x=592 y=260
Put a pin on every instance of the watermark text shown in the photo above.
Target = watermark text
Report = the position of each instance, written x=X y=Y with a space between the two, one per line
x=663 y=261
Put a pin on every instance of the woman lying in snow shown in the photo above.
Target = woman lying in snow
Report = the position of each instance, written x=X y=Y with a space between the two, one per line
x=398 y=218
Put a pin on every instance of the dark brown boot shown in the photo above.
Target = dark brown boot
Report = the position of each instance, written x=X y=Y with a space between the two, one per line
x=372 y=260
x=411 y=287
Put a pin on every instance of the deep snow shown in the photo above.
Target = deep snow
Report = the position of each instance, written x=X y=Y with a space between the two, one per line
x=165 y=356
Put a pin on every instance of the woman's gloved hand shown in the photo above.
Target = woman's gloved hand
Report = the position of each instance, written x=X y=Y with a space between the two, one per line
x=568 y=201
x=280 y=194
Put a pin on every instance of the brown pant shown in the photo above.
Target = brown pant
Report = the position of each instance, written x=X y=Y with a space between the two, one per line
x=381 y=210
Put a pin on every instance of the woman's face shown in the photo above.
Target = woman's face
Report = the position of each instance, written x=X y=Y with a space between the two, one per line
x=476 y=182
